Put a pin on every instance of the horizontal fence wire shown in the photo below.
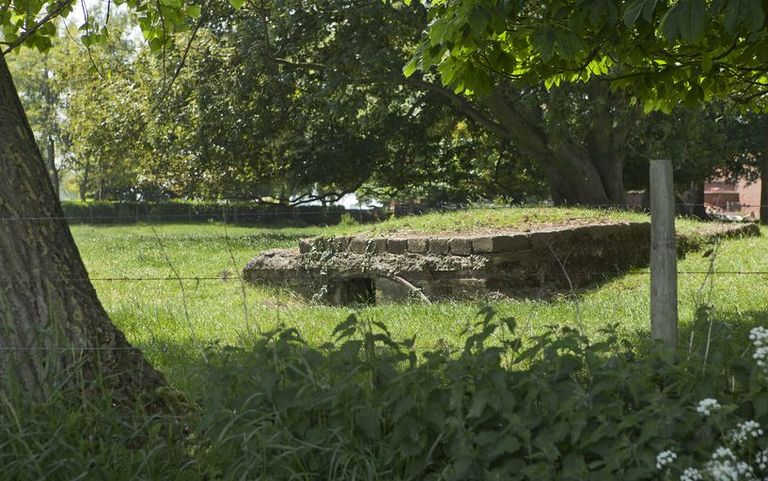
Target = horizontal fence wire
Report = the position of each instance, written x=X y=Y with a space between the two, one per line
x=232 y=217
x=232 y=277
x=239 y=278
x=318 y=213
x=168 y=348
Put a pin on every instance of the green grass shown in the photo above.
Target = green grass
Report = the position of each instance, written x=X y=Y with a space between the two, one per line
x=172 y=320
x=519 y=219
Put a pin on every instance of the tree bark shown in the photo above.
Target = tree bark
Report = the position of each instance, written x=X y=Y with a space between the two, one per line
x=764 y=175
x=84 y=182
x=573 y=174
x=50 y=148
x=693 y=201
x=52 y=325
x=585 y=171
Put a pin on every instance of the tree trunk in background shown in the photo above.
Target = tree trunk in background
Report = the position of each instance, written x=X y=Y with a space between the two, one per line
x=764 y=175
x=50 y=316
x=51 y=158
x=84 y=183
x=692 y=201
x=580 y=171
x=573 y=179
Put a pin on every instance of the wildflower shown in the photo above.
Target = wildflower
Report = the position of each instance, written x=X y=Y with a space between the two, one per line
x=761 y=459
x=759 y=337
x=745 y=430
x=706 y=406
x=691 y=474
x=723 y=453
x=664 y=458
x=725 y=467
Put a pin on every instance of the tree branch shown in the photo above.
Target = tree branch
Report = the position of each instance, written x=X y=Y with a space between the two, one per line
x=50 y=15
x=460 y=103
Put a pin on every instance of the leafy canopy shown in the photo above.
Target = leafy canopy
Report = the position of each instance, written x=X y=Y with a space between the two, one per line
x=29 y=22
x=664 y=52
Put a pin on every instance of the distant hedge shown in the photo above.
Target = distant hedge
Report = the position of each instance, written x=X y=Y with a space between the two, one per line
x=108 y=212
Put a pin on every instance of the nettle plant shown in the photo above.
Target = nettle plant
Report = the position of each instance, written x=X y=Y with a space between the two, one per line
x=740 y=449
x=559 y=406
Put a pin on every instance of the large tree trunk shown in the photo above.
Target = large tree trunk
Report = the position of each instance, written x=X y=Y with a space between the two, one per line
x=51 y=159
x=764 y=175
x=50 y=317
x=576 y=175
x=579 y=171
x=573 y=177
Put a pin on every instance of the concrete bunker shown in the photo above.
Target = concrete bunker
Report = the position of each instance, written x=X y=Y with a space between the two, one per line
x=354 y=290
x=480 y=266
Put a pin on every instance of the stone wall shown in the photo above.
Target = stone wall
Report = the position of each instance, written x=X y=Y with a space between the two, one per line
x=347 y=270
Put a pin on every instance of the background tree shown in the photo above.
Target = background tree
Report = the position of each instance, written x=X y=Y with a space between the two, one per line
x=661 y=53
x=42 y=87
x=702 y=143
x=296 y=88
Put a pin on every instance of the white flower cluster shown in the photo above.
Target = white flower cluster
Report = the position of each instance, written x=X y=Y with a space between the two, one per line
x=691 y=474
x=761 y=459
x=725 y=467
x=759 y=337
x=746 y=430
x=664 y=458
x=706 y=406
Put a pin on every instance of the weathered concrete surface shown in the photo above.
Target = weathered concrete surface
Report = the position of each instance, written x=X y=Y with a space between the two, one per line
x=342 y=270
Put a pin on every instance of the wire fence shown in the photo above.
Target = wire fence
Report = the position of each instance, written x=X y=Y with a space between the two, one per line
x=233 y=214
x=238 y=277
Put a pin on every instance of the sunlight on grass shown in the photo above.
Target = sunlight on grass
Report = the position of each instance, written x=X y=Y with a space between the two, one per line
x=172 y=324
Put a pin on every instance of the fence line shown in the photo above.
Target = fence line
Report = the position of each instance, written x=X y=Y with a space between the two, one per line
x=173 y=347
x=320 y=214
x=237 y=277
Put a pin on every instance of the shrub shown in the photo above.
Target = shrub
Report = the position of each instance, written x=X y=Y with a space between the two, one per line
x=368 y=407
x=563 y=408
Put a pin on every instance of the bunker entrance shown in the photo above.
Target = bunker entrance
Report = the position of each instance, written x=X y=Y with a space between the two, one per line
x=358 y=290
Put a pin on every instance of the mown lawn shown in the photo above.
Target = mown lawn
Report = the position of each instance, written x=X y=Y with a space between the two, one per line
x=175 y=321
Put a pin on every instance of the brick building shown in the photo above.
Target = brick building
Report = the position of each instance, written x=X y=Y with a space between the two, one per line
x=740 y=197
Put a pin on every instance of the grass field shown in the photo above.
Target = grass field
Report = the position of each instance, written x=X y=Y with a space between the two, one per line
x=173 y=321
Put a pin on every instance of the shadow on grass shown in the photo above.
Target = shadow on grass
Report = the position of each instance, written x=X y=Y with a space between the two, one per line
x=368 y=406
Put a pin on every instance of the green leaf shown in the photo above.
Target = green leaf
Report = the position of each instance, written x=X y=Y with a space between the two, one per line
x=237 y=3
x=479 y=401
x=194 y=11
x=748 y=13
x=478 y=20
x=544 y=42
x=368 y=420
x=410 y=67
x=669 y=25
x=638 y=7
x=694 y=18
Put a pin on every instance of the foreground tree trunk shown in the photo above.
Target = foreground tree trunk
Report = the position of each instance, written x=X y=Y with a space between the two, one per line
x=50 y=147
x=50 y=317
x=764 y=175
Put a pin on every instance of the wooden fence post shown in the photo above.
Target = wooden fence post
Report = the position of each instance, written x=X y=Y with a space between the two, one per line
x=663 y=255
